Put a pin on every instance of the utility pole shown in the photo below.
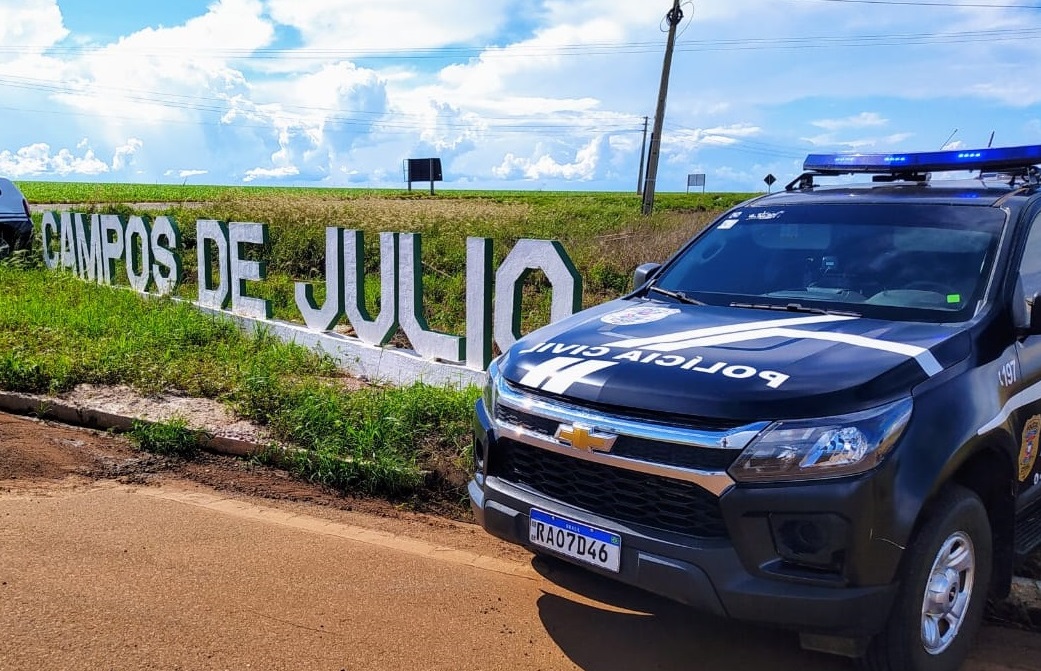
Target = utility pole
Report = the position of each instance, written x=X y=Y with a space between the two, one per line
x=674 y=17
x=643 y=157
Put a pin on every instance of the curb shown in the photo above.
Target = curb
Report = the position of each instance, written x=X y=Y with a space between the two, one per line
x=48 y=407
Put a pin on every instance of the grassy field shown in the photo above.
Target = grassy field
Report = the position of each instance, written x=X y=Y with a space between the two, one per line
x=603 y=232
x=57 y=331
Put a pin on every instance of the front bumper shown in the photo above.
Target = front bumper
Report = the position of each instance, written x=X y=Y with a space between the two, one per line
x=729 y=577
x=709 y=578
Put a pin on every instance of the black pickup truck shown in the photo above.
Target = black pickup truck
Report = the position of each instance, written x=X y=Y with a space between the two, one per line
x=822 y=413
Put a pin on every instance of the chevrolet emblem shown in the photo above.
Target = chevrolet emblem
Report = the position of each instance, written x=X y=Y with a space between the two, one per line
x=586 y=438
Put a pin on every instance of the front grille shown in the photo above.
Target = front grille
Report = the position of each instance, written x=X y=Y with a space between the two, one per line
x=641 y=449
x=657 y=416
x=638 y=498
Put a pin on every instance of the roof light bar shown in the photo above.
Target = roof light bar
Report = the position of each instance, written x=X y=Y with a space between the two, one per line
x=992 y=159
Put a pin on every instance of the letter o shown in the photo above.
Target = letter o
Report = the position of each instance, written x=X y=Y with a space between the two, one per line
x=740 y=372
x=526 y=256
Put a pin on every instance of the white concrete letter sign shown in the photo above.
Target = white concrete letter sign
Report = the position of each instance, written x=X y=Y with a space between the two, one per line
x=212 y=236
x=529 y=255
x=429 y=343
x=167 y=270
x=243 y=270
x=479 y=274
x=138 y=237
x=324 y=318
x=49 y=233
x=88 y=247
x=374 y=331
x=146 y=253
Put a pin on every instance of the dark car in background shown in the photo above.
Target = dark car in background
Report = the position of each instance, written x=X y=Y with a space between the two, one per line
x=16 y=226
x=823 y=413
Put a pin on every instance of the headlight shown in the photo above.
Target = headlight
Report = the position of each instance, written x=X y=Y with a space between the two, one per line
x=823 y=448
x=491 y=393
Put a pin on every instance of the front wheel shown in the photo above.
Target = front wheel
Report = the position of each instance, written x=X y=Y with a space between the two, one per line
x=943 y=590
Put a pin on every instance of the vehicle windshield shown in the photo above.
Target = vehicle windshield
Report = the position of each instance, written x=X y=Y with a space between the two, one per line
x=894 y=261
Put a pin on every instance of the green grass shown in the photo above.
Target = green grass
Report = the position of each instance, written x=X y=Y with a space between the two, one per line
x=171 y=439
x=603 y=233
x=57 y=331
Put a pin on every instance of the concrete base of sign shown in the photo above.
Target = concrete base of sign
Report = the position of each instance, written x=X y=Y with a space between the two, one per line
x=378 y=364
x=56 y=409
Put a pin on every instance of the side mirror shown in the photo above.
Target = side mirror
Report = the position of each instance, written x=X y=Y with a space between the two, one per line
x=1033 y=308
x=643 y=273
x=1026 y=311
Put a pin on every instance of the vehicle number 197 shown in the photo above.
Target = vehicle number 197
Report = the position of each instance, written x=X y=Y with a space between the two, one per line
x=1007 y=374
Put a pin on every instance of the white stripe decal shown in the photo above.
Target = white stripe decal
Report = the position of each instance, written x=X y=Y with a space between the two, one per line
x=545 y=370
x=923 y=356
x=1025 y=397
x=639 y=343
x=563 y=380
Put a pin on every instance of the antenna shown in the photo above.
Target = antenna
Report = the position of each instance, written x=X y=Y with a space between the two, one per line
x=990 y=143
x=949 y=138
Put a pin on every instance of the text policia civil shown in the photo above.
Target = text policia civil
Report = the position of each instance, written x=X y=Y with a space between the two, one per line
x=145 y=253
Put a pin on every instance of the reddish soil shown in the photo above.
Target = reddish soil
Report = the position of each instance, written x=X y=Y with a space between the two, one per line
x=112 y=558
x=35 y=454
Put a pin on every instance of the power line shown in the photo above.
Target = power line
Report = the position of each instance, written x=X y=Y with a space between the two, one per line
x=586 y=49
x=908 y=3
x=606 y=122
x=563 y=130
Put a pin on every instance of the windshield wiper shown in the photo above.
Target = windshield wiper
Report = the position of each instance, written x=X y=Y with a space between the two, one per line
x=795 y=307
x=678 y=295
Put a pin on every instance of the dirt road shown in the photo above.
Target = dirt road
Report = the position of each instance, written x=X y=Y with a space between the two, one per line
x=110 y=559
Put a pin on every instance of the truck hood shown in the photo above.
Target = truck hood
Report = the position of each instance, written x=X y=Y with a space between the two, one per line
x=725 y=363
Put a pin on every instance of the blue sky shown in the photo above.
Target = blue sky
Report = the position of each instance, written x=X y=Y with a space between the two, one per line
x=528 y=94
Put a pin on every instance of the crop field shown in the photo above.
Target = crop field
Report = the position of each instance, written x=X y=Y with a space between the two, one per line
x=604 y=233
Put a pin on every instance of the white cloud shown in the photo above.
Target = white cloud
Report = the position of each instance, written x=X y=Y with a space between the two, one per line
x=36 y=159
x=341 y=104
x=124 y=155
x=162 y=74
x=271 y=173
x=185 y=174
x=32 y=24
x=882 y=143
x=862 y=120
x=679 y=146
x=553 y=89
x=389 y=24
x=542 y=165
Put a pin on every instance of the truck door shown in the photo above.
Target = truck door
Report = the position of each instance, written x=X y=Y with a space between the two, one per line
x=1023 y=373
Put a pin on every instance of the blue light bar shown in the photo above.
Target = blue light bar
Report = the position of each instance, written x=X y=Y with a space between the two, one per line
x=993 y=159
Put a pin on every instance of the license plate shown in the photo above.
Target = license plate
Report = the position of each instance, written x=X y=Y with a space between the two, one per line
x=576 y=540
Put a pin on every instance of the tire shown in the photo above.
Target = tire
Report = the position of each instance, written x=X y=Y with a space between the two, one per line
x=951 y=553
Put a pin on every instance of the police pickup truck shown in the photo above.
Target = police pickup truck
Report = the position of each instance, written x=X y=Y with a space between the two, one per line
x=822 y=413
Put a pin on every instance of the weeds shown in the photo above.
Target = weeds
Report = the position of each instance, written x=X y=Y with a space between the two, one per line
x=57 y=331
x=603 y=233
x=172 y=438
